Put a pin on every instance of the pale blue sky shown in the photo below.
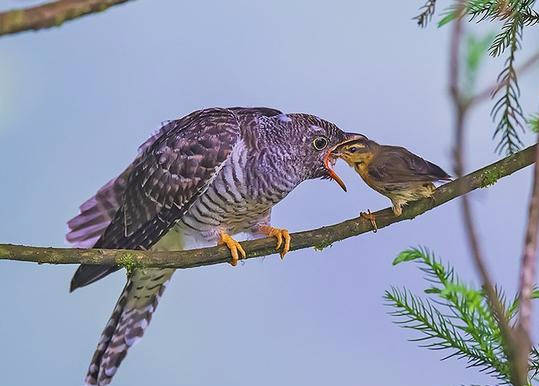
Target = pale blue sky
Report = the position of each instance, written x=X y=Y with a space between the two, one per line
x=75 y=103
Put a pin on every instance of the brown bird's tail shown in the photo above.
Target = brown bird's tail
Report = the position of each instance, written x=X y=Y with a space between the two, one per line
x=130 y=317
x=437 y=172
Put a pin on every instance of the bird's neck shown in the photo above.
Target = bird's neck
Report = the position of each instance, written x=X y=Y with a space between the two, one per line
x=362 y=169
x=361 y=165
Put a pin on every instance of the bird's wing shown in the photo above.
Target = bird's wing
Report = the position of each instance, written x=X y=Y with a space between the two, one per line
x=97 y=213
x=163 y=182
x=170 y=176
x=395 y=164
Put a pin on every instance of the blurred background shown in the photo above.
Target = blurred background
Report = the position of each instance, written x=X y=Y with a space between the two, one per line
x=76 y=101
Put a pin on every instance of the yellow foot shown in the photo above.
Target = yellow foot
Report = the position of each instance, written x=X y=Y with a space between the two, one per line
x=233 y=245
x=371 y=217
x=280 y=234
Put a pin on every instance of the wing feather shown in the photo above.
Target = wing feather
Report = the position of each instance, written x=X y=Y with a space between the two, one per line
x=398 y=165
x=173 y=168
x=163 y=182
x=170 y=176
x=97 y=212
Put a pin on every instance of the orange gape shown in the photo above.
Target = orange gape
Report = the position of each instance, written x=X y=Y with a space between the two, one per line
x=328 y=160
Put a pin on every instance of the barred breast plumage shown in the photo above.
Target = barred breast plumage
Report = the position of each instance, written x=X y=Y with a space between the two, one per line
x=239 y=199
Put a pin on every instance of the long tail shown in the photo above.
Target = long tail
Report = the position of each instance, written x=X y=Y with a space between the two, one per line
x=130 y=317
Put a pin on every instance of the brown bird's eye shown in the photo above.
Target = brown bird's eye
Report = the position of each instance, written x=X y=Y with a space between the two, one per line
x=320 y=143
x=355 y=148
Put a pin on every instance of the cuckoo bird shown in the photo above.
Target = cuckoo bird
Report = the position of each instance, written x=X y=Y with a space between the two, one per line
x=198 y=181
x=393 y=171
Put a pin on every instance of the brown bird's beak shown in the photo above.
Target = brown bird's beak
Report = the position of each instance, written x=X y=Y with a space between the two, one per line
x=331 y=157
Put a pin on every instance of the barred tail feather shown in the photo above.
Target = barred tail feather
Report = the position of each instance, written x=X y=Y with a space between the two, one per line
x=130 y=317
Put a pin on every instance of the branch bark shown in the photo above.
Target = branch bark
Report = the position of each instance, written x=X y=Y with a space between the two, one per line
x=489 y=91
x=511 y=345
x=51 y=14
x=317 y=238
x=527 y=276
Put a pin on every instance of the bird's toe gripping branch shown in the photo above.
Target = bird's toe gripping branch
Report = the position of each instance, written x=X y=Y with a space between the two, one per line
x=371 y=217
x=234 y=246
x=281 y=235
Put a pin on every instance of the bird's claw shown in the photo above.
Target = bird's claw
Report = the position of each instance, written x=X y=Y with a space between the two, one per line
x=234 y=246
x=372 y=219
x=281 y=234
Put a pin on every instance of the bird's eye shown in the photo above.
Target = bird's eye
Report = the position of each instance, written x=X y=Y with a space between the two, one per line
x=355 y=148
x=320 y=143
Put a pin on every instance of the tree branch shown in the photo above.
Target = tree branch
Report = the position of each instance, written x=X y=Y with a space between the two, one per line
x=511 y=346
x=488 y=92
x=527 y=275
x=317 y=238
x=51 y=14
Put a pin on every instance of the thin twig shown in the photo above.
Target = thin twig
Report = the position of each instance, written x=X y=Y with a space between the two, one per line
x=527 y=276
x=454 y=67
x=461 y=108
x=50 y=14
x=489 y=91
x=427 y=10
x=317 y=238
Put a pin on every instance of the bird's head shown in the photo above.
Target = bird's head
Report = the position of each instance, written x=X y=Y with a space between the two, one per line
x=313 y=140
x=354 y=151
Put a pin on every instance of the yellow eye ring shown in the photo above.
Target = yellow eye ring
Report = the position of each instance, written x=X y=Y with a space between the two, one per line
x=320 y=143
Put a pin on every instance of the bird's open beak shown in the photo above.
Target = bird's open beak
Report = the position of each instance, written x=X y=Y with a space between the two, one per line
x=333 y=154
x=329 y=161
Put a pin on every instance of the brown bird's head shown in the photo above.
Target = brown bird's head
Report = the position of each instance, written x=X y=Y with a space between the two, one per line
x=330 y=157
x=359 y=150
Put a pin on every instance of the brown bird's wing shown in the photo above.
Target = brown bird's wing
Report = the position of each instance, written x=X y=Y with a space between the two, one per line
x=395 y=164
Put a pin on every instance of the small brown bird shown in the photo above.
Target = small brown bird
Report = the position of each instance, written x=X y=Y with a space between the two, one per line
x=392 y=171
